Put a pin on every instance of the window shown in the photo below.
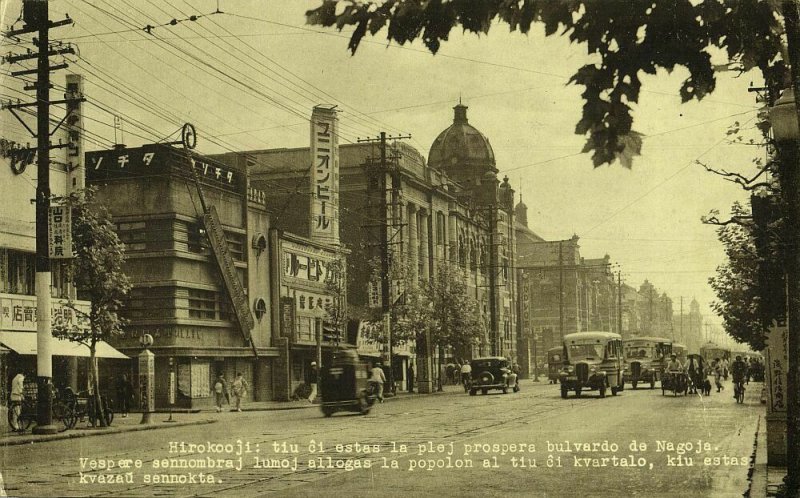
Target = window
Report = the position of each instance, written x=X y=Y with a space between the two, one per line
x=17 y=272
x=440 y=235
x=133 y=235
x=202 y=304
x=196 y=237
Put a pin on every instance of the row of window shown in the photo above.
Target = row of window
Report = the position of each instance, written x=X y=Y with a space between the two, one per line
x=178 y=302
x=168 y=234
x=18 y=274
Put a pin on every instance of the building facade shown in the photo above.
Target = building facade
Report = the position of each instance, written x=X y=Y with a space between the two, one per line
x=195 y=234
x=418 y=215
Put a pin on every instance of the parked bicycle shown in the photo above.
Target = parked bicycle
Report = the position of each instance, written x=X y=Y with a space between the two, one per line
x=23 y=413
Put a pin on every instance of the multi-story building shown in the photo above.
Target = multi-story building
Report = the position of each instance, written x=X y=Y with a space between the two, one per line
x=688 y=326
x=417 y=214
x=195 y=235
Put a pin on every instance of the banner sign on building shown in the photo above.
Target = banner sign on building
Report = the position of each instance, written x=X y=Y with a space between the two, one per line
x=60 y=232
x=74 y=128
x=776 y=363
x=219 y=247
x=18 y=313
x=324 y=223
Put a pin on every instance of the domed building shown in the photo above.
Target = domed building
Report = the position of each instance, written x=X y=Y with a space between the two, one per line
x=483 y=236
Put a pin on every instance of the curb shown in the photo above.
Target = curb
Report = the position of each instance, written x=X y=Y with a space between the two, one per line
x=30 y=439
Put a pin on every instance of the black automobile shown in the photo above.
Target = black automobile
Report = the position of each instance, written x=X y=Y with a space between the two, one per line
x=491 y=372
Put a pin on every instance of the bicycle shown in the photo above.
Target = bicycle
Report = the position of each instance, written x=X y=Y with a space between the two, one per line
x=21 y=414
x=738 y=390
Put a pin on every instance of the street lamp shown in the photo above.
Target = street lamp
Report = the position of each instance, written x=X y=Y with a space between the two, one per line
x=784 y=120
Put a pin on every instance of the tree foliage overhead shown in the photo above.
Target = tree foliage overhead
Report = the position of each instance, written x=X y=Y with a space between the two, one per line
x=629 y=38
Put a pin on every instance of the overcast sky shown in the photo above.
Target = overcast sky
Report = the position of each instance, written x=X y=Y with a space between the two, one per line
x=248 y=78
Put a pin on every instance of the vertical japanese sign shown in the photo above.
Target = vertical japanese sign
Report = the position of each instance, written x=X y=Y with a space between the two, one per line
x=60 y=232
x=74 y=127
x=324 y=224
x=776 y=363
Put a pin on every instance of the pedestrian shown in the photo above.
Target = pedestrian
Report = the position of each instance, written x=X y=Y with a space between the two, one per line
x=466 y=375
x=240 y=388
x=220 y=392
x=124 y=394
x=17 y=395
x=312 y=380
x=717 y=369
x=377 y=379
x=410 y=376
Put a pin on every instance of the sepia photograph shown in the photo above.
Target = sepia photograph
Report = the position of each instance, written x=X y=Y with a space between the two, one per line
x=412 y=248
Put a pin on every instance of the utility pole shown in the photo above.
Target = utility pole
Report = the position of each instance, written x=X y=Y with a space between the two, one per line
x=386 y=303
x=681 y=334
x=619 y=302
x=36 y=20
x=561 y=288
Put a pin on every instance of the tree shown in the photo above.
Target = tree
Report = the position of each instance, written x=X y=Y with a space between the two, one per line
x=96 y=271
x=736 y=283
x=628 y=39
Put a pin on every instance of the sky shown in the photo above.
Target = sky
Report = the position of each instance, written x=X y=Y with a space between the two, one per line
x=248 y=77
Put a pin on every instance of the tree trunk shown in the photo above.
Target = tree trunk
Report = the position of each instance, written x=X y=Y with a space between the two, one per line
x=440 y=367
x=100 y=412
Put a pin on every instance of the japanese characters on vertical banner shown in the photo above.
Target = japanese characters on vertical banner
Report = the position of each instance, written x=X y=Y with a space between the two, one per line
x=60 y=232
x=324 y=176
x=777 y=357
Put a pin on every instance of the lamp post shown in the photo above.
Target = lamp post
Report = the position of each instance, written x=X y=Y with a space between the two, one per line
x=784 y=120
x=147 y=379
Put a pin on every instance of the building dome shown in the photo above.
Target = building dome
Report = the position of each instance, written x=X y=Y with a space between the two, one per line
x=461 y=144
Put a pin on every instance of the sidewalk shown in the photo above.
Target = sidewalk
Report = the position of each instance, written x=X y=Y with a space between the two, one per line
x=180 y=417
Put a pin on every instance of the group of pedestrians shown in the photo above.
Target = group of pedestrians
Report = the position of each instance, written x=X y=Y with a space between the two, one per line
x=223 y=391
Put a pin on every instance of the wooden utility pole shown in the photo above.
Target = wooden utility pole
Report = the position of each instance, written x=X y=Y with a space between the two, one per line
x=35 y=15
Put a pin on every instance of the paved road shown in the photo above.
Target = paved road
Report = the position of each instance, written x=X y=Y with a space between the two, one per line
x=531 y=443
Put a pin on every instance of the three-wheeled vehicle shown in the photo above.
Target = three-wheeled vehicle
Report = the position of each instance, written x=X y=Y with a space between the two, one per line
x=593 y=360
x=344 y=384
x=555 y=362
x=492 y=372
x=645 y=358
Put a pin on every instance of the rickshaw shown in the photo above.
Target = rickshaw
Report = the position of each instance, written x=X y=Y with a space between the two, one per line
x=344 y=385
x=554 y=363
x=592 y=360
x=645 y=358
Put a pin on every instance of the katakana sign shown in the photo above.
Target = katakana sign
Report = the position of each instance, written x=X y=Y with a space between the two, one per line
x=324 y=175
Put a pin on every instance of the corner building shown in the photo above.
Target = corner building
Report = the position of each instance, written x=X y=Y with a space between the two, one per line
x=179 y=295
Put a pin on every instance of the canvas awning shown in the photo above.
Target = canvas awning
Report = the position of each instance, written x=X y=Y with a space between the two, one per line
x=25 y=343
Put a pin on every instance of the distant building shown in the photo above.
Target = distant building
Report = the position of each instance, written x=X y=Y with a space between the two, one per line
x=561 y=293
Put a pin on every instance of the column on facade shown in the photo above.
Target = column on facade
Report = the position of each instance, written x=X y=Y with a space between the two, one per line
x=413 y=244
x=452 y=240
x=424 y=254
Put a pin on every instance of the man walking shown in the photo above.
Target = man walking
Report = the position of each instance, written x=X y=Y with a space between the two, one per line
x=378 y=378
x=312 y=380
x=220 y=392
x=240 y=388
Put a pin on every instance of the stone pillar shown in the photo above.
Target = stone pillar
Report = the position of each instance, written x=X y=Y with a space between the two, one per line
x=451 y=251
x=413 y=244
x=424 y=254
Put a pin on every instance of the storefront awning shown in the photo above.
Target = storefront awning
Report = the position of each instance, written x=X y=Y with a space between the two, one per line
x=25 y=343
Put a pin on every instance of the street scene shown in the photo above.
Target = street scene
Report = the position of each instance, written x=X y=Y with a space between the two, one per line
x=451 y=445
x=394 y=247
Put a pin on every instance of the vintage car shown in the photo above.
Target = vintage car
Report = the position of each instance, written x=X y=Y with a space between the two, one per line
x=593 y=361
x=491 y=372
x=554 y=363
x=645 y=358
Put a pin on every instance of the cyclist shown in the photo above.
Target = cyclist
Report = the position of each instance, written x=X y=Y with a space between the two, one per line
x=738 y=371
x=466 y=375
x=676 y=371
